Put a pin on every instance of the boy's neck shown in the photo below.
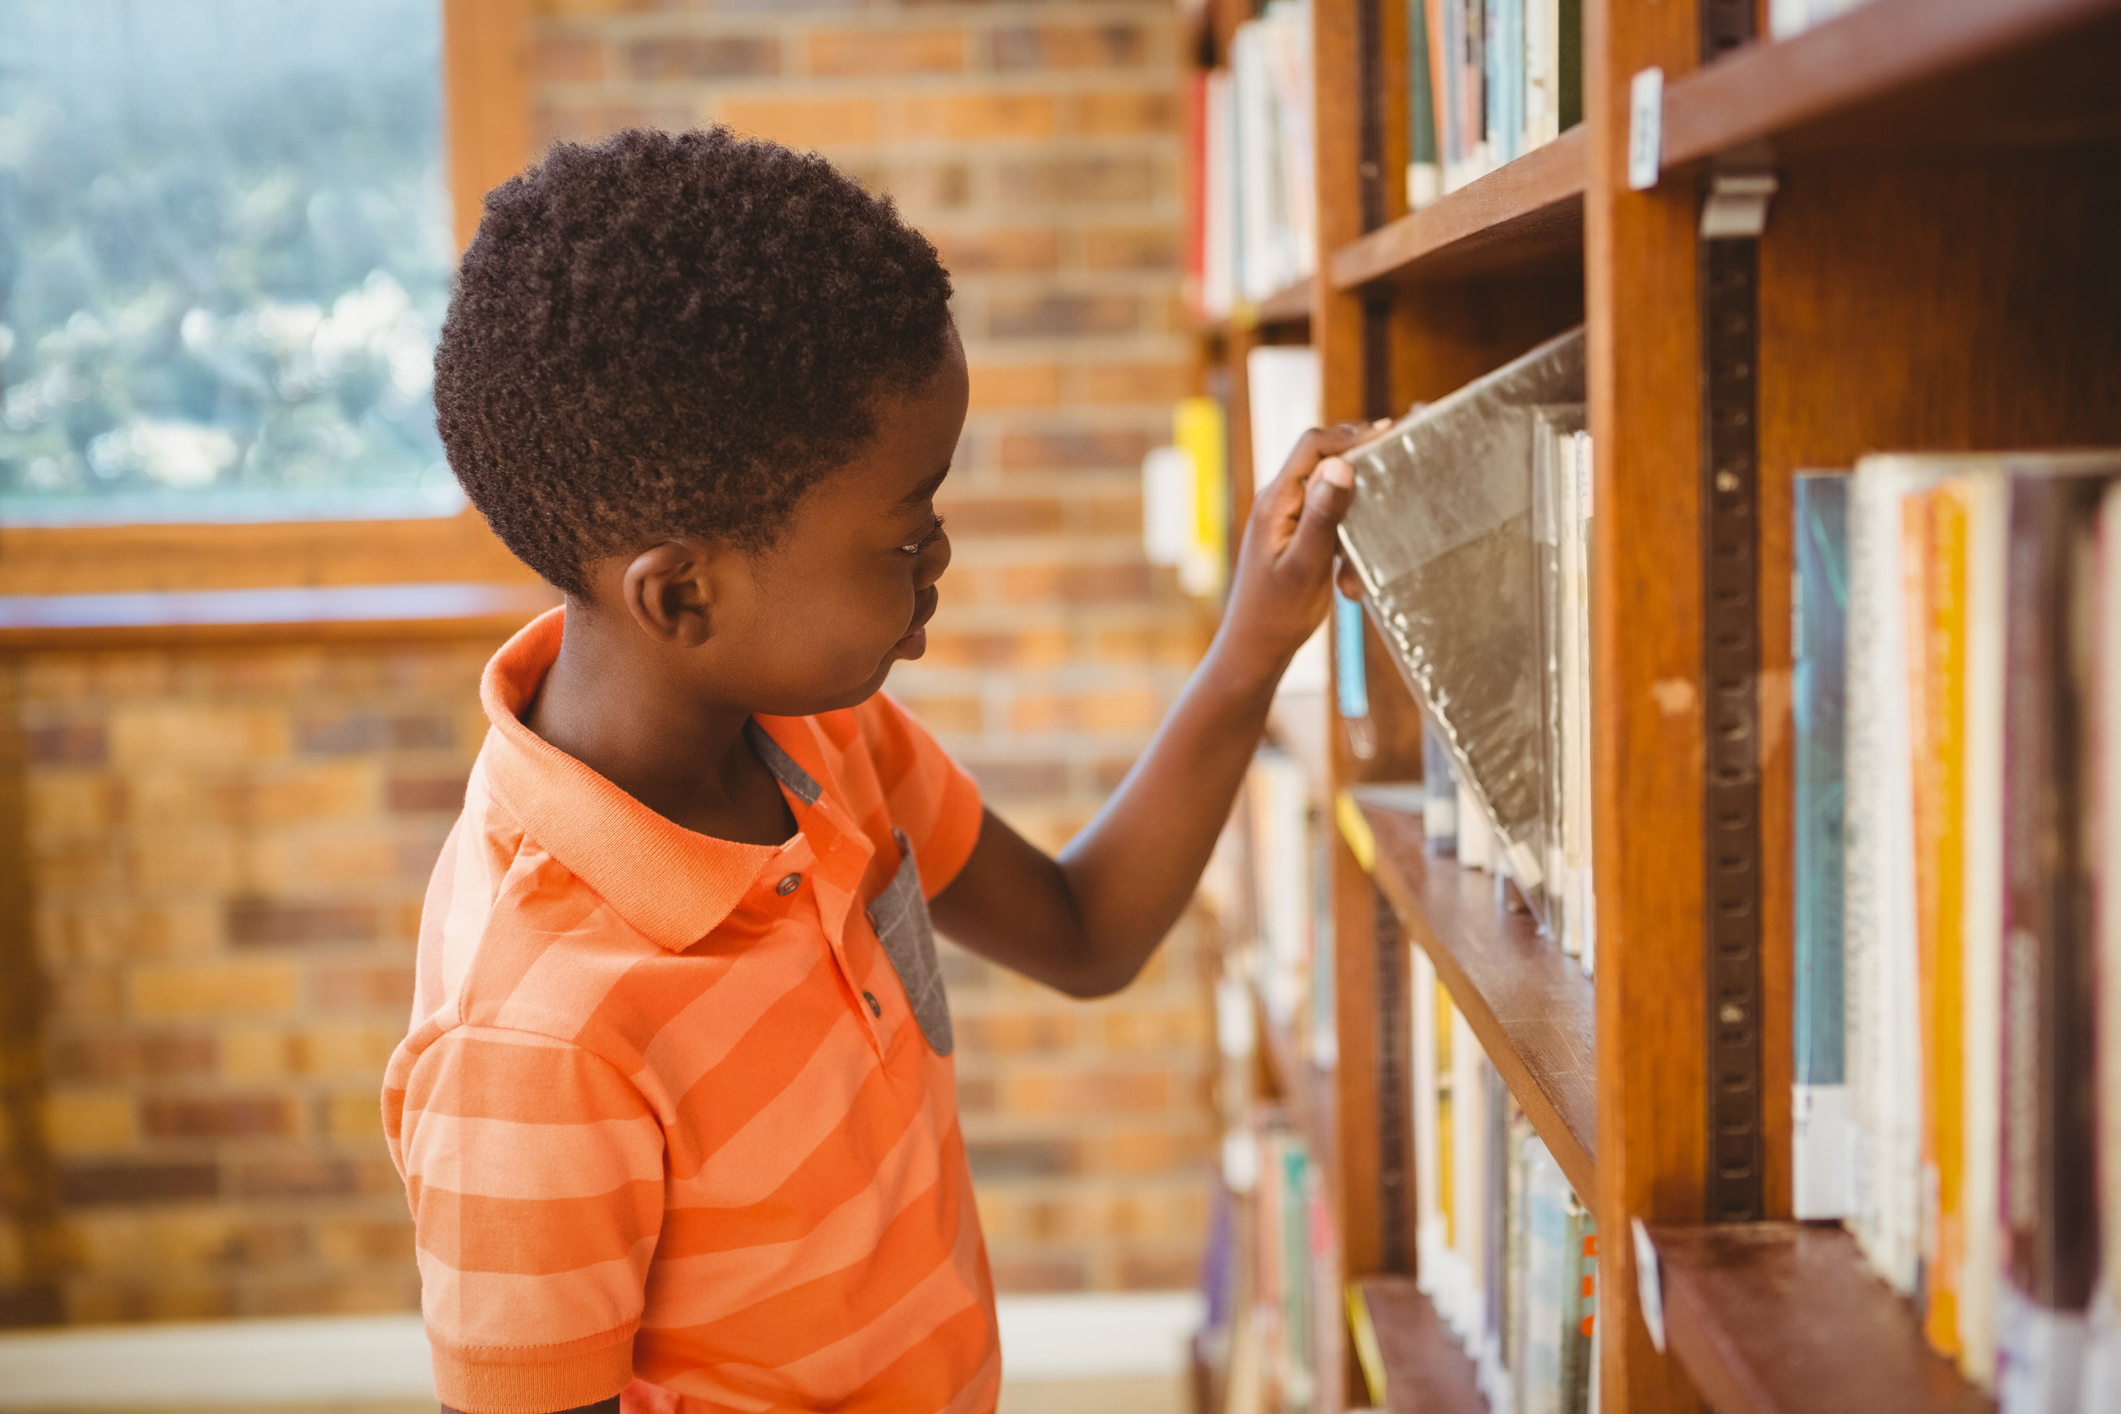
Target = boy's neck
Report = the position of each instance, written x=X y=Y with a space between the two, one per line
x=604 y=704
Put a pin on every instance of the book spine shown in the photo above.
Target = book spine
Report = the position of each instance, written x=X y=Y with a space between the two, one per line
x=1579 y=1360
x=2049 y=1206
x=1944 y=850
x=1981 y=921
x=1925 y=841
x=1568 y=47
x=1820 y=1155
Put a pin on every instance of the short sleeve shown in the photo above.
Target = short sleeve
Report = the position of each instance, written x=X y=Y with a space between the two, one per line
x=929 y=796
x=535 y=1174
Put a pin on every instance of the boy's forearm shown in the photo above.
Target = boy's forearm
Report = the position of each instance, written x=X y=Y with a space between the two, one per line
x=1133 y=869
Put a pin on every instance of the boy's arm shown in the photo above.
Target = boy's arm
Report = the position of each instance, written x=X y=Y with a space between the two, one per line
x=1087 y=921
x=602 y=1406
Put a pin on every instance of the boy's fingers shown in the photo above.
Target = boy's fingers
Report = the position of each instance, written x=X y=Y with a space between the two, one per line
x=1326 y=501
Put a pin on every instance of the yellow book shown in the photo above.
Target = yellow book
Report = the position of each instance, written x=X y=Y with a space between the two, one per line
x=1942 y=854
x=1197 y=430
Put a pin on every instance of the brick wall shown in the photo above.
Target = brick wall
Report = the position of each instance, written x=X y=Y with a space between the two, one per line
x=213 y=859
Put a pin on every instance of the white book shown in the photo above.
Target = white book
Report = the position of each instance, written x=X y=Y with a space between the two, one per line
x=1469 y=1183
x=1880 y=936
x=1545 y=1281
x=1431 y=1237
x=1284 y=394
x=1282 y=875
x=1218 y=284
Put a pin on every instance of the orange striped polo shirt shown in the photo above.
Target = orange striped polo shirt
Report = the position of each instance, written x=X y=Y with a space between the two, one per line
x=677 y=1116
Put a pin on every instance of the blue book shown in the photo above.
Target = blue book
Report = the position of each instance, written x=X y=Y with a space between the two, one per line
x=1821 y=1156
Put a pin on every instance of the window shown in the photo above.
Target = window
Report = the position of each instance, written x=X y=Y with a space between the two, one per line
x=225 y=251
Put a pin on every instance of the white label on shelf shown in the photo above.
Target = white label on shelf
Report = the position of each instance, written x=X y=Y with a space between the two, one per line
x=1649 y=1285
x=1645 y=128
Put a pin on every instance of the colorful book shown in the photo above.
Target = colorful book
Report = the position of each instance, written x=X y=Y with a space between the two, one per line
x=2049 y=1112
x=1820 y=1155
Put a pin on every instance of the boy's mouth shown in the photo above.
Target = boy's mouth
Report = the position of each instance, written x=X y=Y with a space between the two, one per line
x=915 y=643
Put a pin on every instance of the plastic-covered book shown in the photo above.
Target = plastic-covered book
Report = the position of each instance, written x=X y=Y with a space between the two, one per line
x=1444 y=533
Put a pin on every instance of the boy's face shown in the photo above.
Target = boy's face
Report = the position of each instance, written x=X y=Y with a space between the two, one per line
x=851 y=583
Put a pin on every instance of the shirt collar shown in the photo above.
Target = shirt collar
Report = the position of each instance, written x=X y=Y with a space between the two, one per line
x=673 y=884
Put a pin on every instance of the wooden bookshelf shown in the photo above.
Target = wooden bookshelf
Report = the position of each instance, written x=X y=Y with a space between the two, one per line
x=1530 y=1005
x=1907 y=76
x=1426 y=1370
x=1935 y=273
x=1784 y=1318
x=1523 y=218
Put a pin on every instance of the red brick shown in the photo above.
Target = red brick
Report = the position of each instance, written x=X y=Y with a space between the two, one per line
x=1012 y=1033
x=1088 y=1092
x=358 y=988
x=1125 y=111
x=1081 y=584
x=974 y=117
x=945 y=714
x=271 y=923
x=1074 y=451
x=1049 y=316
x=1005 y=515
x=414 y=795
x=1015 y=385
x=1110 y=46
x=1022 y=1158
x=106 y=1057
x=68 y=744
x=1127 y=709
x=726 y=56
x=101 y=1185
x=1012 y=251
x=803 y=122
x=1131 y=248
x=368 y=731
x=1028 y=648
x=1019 y=779
x=222 y=1118
x=1024 y=1276
x=564 y=58
x=596 y=121
x=1081 y=180
x=1111 y=515
x=945 y=185
x=1155 y=383
x=851 y=52
x=300 y=1178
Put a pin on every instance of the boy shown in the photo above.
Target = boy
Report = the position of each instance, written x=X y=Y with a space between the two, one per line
x=676 y=1113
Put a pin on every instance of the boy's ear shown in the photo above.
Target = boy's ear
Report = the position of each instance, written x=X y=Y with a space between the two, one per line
x=672 y=591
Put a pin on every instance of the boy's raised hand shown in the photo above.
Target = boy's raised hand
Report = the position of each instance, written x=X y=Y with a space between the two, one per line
x=1282 y=584
x=1087 y=921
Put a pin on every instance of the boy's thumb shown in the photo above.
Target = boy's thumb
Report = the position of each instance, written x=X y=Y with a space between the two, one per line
x=1326 y=502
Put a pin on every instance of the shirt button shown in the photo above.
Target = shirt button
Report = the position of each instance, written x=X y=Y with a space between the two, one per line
x=788 y=885
x=876 y=1008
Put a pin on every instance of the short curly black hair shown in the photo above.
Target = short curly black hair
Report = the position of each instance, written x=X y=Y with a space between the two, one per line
x=675 y=333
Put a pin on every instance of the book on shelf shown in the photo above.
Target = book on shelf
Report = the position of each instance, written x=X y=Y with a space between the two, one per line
x=1470 y=533
x=1185 y=497
x=1489 y=80
x=1788 y=17
x=1973 y=917
x=1505 y=1249
x=1253 y=218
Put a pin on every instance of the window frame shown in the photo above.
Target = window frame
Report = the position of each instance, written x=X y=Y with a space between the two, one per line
x=486 y=107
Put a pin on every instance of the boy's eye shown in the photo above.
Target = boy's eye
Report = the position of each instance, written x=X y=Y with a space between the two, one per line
x=935 y=533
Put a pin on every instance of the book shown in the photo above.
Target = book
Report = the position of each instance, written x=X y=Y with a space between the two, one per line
x=2049 y=1112
x=1447 y=563
x=1818 y=691
x=1490 y=81
x=1282 y=390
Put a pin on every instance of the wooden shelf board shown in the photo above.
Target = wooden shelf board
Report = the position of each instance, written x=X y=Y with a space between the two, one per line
x=1426 y=1370
x=1528 y=1002
x=33 y=621
x=1785 y=1318
x=1289 y=306
x=1946 y=76
x=1525 y=217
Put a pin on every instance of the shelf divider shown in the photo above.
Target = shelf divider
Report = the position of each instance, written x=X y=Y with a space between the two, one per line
x=1785 y=1318
x=1527 y=1001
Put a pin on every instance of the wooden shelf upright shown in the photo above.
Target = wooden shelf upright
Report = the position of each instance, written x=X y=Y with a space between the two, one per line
x=1936 y=273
